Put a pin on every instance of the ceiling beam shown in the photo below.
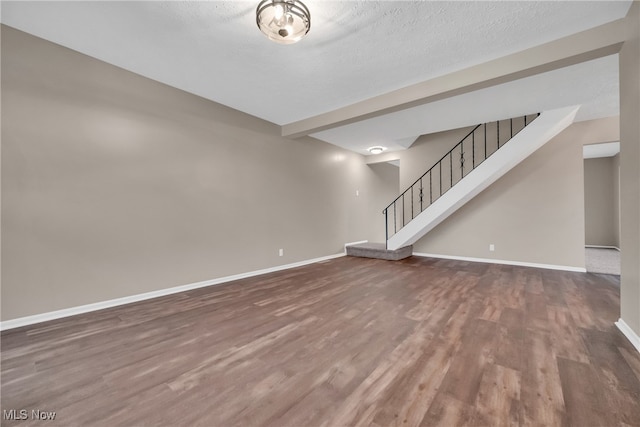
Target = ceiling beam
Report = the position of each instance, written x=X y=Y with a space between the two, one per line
x=584 y=46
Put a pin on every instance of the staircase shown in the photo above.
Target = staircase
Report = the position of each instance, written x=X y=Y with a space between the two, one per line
x=488 y=152
x=379 y=251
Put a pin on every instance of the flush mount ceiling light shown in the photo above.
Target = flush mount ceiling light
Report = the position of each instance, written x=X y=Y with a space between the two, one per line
x=376 y=150
x=283 y=21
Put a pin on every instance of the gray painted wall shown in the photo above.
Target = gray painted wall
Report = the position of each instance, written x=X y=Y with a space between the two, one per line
x=535 y=213
x=115 y=185
x=616 y=199
x=600 y=202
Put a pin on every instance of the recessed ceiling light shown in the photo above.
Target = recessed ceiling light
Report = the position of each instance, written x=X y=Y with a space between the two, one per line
x=376 y=150
x=283 y=21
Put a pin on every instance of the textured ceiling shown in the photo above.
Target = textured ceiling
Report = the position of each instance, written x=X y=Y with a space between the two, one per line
x=355 y=50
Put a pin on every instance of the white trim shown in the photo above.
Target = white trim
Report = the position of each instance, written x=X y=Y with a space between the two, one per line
x=72 y=311
x=602 y=247
x=599 y=150
x=354 y=243
x=629 y=333
x=505 y=262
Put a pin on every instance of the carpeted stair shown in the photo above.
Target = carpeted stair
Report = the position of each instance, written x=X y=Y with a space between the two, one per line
x=379 y=251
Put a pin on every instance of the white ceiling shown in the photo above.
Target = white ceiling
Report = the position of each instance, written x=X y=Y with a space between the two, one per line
x=354 y=51
x=593 y=84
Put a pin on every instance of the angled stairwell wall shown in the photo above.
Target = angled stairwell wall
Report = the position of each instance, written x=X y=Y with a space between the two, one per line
x=532 y=137
x=534 y=213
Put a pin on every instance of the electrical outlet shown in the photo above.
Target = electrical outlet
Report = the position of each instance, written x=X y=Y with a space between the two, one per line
x=280 y=252
x=492 y=247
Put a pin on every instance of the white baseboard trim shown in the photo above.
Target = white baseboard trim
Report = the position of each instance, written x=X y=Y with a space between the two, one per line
x=602 y=247
x=354 y=243
x=629 y=333
x=58 y=314
x=504 y=262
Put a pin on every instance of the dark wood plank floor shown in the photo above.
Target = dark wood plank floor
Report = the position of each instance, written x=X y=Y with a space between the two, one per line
x=350 y=341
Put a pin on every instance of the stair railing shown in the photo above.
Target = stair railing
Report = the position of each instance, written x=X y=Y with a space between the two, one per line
x=442 y=176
